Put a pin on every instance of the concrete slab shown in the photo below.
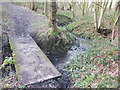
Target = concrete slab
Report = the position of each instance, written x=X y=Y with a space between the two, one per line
x=32 y=65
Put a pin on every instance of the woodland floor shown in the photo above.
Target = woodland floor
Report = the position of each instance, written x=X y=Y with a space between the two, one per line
x=97 y=68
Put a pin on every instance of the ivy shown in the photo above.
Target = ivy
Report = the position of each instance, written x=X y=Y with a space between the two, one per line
x=8 y=60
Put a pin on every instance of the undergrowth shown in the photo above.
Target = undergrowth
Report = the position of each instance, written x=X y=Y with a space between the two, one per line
x=84 y=26
x=7 y=67
x=97 y=68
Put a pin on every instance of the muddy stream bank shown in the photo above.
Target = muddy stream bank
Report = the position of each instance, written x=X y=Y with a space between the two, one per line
x=61 y=61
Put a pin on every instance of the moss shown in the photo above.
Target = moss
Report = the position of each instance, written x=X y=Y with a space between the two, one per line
x=52 y=42
x=63 y=20
x=14 y=58
x=64 y=13
x=71 y=26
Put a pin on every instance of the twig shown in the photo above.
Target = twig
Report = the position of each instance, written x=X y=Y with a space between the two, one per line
x=97 y=4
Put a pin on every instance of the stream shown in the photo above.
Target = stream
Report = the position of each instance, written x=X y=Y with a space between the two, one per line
x=79 y=46
x=61 y=61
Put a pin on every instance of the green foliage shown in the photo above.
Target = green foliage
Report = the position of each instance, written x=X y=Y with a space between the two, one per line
x=92 y=67
x=64 y=13
x=63 y=20
x=52 y=33
x=8 y=60
x=83 y=27
x=40 y=5
x=21 y=87
x=71 y=26
x=102 y=25
x=110 y=16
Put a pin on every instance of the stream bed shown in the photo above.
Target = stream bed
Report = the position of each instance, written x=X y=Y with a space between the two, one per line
x=61 y=61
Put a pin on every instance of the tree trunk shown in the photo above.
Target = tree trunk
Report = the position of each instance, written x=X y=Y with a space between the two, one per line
x=95 y=17
x=30 y=5
x=116 y=21
x=45 y=8
x=70 y=6
x=113 y=31
x=83 y=8
x=53 y=12
x=104 y=5
x=73 y=9
x=34 y=6
x=117 y=12
x=1 y=50
x=63 y=6
x=110 y=5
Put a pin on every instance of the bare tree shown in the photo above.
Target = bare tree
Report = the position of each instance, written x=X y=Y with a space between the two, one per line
x=95 y=17
x=73 y=9
x=103 y=9
x=83 y=8
x=33 y=6
x=53 y=12
x=114 y=28
x=116 y=21
x=110 y=5
x=46 y=8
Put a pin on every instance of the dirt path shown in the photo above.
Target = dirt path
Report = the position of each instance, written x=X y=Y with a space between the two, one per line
x=24 y=18
x=22 y=21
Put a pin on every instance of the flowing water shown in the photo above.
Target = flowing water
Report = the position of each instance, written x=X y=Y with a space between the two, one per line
x=61 y=61
x=79 y=46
